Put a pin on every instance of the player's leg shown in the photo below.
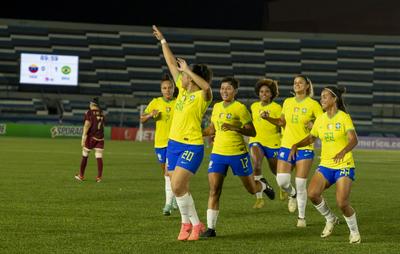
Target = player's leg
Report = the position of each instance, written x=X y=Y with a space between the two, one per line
x=303 y=167
x=257 y=156
x=321 y=181
x=85 y=154
x=187 y=163
x=99 y=157
x=241 y=166
x=271 y=154
x=215 y=182
x=283 y=177
x=161 y=156
x=345 y=178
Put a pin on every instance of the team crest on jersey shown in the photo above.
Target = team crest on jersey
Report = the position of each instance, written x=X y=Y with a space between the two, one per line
x=304 y=110
x=229 y=116
x=191 y=98
x=337 y=126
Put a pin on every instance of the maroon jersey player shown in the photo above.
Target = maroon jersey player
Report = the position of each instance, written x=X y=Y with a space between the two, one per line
x=92 y=138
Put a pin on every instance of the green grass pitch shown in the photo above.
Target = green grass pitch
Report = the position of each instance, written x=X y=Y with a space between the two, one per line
x=43 y=209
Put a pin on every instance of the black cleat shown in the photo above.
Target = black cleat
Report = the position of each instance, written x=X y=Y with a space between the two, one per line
x=209 y=233
x=268 y=191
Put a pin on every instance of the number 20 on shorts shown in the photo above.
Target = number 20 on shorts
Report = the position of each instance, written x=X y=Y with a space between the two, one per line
x=187 y=155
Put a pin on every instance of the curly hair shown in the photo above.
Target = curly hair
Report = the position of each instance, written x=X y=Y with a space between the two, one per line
x=270 y=83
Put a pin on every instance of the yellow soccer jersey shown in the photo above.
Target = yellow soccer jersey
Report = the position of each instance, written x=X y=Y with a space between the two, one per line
x=297 y=114
x=333 y=135
x=163 y=121
x=229 y=142
x=189 y=111
x=268 y=134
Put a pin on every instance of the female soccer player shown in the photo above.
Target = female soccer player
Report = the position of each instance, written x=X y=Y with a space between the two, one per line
x=161 y=109
x=230 y=120
x=336 y=131
x=92 y=138
x=185 y=146
x=298 y=113
x=268 y=139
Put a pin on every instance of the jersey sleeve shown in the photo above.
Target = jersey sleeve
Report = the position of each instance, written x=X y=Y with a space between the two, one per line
x=214 y=114
x=245 y=116
x=151 y=106
x=348 y=123
x=87 y=116
x=285 y=103
x=277 y=111
x=314 y=130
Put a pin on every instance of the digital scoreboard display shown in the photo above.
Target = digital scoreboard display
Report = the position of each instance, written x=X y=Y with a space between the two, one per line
x=43 y=69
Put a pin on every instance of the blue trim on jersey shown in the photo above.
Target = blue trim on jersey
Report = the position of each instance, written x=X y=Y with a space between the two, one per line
x=240 y=164
x=284 y=152
x=332 y=175
x=184 y=155
x=269 y=153
x=161 y=154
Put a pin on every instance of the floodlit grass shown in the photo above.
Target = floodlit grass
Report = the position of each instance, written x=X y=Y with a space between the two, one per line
x=43 y=209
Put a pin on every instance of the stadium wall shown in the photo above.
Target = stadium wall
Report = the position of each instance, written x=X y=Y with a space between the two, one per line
x=45 y=130
x=147 y=134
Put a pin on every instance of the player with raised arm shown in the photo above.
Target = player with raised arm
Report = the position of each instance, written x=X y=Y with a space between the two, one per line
x=92 y=138
x=185 y=149
x=338 y=137
x=161 y=110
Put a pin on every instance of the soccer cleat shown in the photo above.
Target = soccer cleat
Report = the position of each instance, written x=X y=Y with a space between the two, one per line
x=282 y=194
x=174 y=204
x=208 y=233
x=301 y=223
x=196 y=232
x=98 y=179
x=259 y=203
x=354 y=238
x=268 y=190
x=79 y=177
x=328 y=229
x=292 y=204
x=185 y=231
x=167 y=210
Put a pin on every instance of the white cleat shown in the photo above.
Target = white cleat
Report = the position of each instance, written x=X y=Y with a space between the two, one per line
x=354 y=238
x=328 y=229
x=301 y=223
x=292 y=204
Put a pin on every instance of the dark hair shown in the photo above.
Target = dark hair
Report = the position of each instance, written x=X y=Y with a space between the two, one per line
x=232 y=81
x=270 y=83
x=95 y=100
x=167 y=77
x=203 y=71
x=310 y=90
x=338 y=91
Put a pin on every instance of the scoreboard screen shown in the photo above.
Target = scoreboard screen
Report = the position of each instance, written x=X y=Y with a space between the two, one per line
x=43 y=69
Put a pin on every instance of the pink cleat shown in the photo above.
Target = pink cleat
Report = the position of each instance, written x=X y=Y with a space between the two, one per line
x=196 y=232
x=98 y=179
x=185 y=231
